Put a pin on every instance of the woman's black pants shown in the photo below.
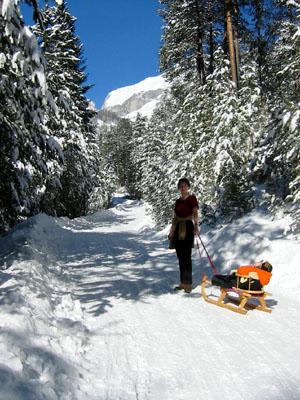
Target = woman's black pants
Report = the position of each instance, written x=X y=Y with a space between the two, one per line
x=184 y=254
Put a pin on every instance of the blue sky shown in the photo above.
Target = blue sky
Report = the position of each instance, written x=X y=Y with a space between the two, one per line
x=121 y=41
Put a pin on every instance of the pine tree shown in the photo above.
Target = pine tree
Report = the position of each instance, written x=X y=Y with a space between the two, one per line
x=106 y=176
x=218 y=131
x=137 y=157
x=161 y=167
x=233 y=136
x=186 y=31
x=280 y=148
x=62 y=48
x=119 y=145
x=205 y=133
x=28 y=150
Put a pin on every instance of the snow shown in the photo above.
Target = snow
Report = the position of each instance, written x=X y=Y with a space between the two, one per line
x=145 y=111
x=7 y=8
x=295 y=121
x=2 y=60
x=119 y=96
x=87 y=312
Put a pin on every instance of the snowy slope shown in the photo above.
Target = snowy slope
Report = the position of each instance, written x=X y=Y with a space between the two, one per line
x=87 y=313
x=119 y=96
x=141 y=97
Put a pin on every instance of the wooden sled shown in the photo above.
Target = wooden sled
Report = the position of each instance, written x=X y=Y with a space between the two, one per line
x=241 y=302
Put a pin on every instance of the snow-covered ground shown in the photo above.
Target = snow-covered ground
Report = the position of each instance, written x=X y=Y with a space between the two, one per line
x=87 y=312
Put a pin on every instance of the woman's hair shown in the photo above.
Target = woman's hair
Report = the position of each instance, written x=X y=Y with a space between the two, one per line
x=183 y=180
x=266 y=266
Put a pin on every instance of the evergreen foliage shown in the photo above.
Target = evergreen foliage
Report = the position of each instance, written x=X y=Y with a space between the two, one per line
x=203 y=132
x=279 y=152
x=29 y=150
x=50 y=155
x=137 y=158
x=188 y=29
x=117 y=144
x=211 y=131
x=224 y=136
x=62 y=50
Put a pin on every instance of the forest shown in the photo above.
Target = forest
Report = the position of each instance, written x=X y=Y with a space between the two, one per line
x=230 y=121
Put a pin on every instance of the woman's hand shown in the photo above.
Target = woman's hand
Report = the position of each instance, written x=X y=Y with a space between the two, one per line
x=196 y=230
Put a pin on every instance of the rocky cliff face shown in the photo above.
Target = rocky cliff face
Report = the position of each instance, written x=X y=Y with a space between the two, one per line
x=127 y=102
x=136 y=103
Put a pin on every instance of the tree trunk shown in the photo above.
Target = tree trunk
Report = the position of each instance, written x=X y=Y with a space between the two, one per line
x=211 y=39
x=236 y=39
x=225 y=41
x=37 y=14
x=211 y=49
x=258 y=23
x=200 y=56
x=230 y=42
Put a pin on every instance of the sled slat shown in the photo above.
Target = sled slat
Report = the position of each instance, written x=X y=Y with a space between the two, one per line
x=242 y=304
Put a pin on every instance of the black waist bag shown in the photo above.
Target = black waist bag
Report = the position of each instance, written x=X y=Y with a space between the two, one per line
x=243 y=283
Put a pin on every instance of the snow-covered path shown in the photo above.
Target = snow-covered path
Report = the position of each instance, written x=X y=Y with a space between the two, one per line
x=87 y=312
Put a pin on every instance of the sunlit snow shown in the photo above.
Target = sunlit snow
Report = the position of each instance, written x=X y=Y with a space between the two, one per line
x=88 y=312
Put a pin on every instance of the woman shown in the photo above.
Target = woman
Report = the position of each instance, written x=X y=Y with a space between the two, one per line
x=184 y=227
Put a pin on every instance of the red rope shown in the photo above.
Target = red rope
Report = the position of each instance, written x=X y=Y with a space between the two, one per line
x=209 y=259
x=200 y=253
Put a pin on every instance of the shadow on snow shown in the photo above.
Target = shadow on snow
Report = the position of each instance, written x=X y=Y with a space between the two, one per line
x=103 y=266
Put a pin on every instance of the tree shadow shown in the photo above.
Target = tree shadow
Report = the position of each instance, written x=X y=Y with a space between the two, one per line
x=28 y=384
x=103 y=266
x=246 y=239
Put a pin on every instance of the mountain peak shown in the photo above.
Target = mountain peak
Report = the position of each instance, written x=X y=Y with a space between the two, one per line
x=139 y=98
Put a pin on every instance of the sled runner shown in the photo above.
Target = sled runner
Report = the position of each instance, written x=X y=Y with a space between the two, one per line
x=241 y=302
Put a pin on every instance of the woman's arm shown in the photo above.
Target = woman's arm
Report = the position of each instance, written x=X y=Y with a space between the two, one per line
x=196 y=221
x=173 y=226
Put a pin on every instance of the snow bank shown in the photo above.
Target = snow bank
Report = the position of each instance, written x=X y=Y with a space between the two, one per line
x=258 y=236
x=41 y=339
